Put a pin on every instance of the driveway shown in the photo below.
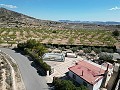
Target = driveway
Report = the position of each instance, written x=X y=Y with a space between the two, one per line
x=32 y=80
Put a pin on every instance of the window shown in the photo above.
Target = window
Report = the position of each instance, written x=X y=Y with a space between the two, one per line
x=84 y=83
x=74 y=76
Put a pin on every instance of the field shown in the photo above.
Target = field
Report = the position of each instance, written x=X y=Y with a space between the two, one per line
x=70 y=37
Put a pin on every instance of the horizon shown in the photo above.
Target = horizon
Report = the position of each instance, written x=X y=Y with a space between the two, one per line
x=74 y=10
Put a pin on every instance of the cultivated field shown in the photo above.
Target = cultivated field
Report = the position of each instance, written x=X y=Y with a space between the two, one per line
x=71 y=37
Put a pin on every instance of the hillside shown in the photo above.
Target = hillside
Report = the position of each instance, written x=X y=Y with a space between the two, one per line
x=10 y=18
x=53 y=32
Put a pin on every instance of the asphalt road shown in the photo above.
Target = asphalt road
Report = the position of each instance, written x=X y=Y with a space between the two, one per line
x=31 y=79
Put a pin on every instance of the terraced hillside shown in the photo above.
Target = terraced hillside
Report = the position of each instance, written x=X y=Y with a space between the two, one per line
x=71 y=37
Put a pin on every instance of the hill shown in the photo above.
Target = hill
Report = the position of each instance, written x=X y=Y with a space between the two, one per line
x=10 y=18
x=52 y=32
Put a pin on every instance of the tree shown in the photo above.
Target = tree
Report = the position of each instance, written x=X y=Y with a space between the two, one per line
x=74 y=49
x=70 y=41
x=40 y=50
x=106 y=57
x=21 y=46
x=97 y=50
x=115 y=33
x=66 y=85
x=31 y=43
x=87 y=50
x=80 y=47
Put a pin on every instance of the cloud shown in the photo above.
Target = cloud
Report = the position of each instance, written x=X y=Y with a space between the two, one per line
x=115 y=8
x=8 y=6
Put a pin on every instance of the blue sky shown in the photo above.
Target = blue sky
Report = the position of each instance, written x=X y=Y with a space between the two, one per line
x=83 y=10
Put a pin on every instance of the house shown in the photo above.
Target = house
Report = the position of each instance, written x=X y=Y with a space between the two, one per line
x=87 y=74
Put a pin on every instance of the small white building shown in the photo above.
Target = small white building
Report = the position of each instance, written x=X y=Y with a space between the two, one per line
x=71 y=55
x=116 y=67
x=54 y=57
x=87 y=74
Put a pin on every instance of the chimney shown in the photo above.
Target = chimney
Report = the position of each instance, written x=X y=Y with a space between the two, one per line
x=82 y=72
x=76 y=63
x=107 y=67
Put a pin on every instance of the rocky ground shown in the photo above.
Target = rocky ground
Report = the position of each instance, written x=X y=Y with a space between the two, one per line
x=10 y=78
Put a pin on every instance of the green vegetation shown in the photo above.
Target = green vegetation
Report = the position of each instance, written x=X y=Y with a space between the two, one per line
x=87 y=50
x=106 y=57
x=68 y=37
x=35 y=50
x=66 y=85
x=115 y=33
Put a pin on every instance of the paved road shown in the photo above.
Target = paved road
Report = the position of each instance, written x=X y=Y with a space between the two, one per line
x=31 y=79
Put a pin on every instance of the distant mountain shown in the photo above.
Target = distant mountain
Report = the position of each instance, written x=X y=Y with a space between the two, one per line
x=92 y=22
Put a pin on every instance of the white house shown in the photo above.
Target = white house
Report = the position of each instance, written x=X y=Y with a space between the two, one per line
x=87 y=74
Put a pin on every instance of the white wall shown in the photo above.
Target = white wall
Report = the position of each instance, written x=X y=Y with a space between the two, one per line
x=89 y=86
x=80 y=80
x=97 y=85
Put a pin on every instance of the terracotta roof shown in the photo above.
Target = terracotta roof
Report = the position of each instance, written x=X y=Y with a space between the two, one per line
x=91 y=73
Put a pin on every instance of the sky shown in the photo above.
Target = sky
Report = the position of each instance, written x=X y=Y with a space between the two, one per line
x=75 y=10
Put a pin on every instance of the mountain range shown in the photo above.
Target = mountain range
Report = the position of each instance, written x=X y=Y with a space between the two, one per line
x=92 y=22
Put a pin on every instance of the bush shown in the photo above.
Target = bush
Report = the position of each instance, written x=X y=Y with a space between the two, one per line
x=21 y=46
x=34 y=56
x=80 y=47
x=97 y=50
x=31 y=43
x=54 y=31
x=67 y=47
x=104 y=49
x=39 y=50
x=87 y=50
x=105 y=57
x=115 y=33
x=66 y=85
x=74 y=49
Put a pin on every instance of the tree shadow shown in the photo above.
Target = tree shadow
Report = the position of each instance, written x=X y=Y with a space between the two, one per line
x=18 y=51
x=38 y=68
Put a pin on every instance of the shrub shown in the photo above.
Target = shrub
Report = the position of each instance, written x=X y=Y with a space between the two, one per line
x=66 y=85
x=54 y=31
x=31 y=43
x=97 y=50
x=87 y=50
x=105 y=57
x=21 y=46
x=115 y=33
x=67 y=47
x=80 y=47
x=35 y=50
x=74 y=49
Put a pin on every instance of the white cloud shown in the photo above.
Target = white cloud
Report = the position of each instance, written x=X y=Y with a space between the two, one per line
x=115 y=8
x=8 y=6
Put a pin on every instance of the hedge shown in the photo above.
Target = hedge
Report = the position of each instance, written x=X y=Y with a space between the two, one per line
x=36 y=58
